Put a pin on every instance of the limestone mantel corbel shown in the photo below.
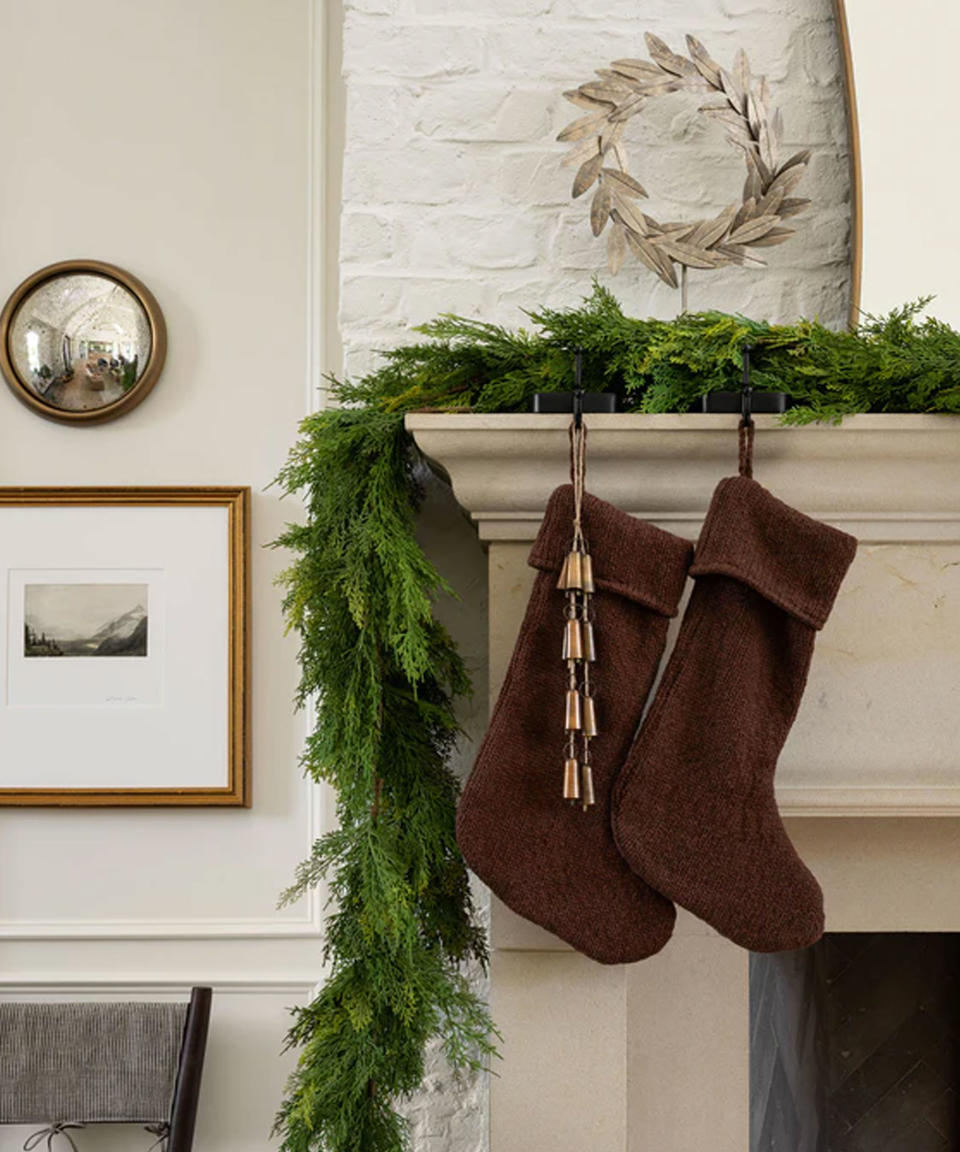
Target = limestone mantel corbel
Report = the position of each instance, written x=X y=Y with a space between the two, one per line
x=862 y=745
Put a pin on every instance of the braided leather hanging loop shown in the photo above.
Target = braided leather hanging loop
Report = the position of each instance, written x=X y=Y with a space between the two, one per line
x=746 y=433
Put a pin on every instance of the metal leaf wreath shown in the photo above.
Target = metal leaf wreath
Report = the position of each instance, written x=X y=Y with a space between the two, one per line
x=741 y=103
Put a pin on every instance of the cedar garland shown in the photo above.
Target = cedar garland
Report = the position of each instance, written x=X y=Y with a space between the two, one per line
x=403 y=932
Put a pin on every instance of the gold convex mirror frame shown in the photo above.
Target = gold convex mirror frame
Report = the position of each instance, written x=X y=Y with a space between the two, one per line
x=81 y=341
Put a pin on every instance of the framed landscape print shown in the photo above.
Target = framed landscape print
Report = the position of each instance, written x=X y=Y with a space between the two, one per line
x=124 y=623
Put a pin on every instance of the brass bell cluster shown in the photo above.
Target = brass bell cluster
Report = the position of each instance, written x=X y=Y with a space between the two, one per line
x=579 y=649
x=579 y=652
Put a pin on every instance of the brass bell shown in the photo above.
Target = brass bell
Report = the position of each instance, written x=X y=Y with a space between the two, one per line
x=589 y=717
x=571 y=780
x=572 y=723
x=586 y=573
x=572 y=641
x=564 y=569
x=589 y=648
x=574 y=570
x=588 y=797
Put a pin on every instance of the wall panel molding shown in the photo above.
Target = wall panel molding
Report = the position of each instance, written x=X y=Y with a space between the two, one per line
x=128 y=984
x=309 y=923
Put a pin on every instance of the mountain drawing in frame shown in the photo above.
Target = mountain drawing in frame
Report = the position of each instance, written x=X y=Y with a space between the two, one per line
x=85 y=620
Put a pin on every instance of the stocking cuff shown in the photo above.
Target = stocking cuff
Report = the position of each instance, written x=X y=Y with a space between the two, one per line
x=630 y=557
x=792 y=560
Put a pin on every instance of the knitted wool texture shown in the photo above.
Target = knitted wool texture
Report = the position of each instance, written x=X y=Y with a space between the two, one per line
x=694 y=812
x=550 y=861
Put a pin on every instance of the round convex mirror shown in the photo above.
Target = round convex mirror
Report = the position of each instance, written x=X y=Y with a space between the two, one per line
x=81 y=341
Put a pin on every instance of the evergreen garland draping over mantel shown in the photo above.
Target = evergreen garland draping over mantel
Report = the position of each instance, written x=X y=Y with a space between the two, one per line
x=385 y=675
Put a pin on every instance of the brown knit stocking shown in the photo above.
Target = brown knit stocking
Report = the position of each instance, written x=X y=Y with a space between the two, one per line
x=550 y=861
x=694 y=811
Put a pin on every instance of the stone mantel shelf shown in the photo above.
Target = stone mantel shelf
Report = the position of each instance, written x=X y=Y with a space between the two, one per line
x=867 y=472
x=879 y=732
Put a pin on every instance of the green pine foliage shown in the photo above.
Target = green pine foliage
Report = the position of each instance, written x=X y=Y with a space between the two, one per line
x=385 y=676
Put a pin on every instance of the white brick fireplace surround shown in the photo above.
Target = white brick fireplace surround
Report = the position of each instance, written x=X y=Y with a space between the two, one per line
x=654 y=1056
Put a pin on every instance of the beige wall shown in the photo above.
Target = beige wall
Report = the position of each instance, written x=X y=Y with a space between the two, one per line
x=179 y=140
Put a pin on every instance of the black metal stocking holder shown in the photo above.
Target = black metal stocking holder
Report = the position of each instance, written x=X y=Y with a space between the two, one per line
x=747 y=401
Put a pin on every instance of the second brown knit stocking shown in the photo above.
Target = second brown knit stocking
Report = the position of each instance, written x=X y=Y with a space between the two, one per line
x=694 y=812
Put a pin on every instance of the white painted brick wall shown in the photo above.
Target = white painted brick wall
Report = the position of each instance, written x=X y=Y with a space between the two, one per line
x=453 y=196
x=454 y=200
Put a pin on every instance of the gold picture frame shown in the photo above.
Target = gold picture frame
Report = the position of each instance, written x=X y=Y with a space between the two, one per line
x=85 y=381
x=183 y=554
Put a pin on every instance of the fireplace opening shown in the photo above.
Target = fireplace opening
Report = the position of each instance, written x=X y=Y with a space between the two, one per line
x=855 y=1045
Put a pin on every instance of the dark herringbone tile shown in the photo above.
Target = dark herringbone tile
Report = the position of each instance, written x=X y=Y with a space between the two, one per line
x=877 y=993
x=855 y=1045
x=890 y=1027
x=884 y=1127
x=921 y=1037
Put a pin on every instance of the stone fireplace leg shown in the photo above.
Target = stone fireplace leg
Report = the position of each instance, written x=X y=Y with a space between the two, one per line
x=650 y=1057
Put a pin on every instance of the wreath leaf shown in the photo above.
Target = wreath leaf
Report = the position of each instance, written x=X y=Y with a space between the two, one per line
x=774 y=236
x=747 y=210
x=753 y=185
x=733 y=90
x=631 y=105
x=770 y=203
x=686 y=254
x=588 y=172
x=630 y=214
x=610 y=137
x=788 y=178
x=616 y=247
x=669 y=61
x=708 y=68
x=637 y=68
x=585 y=126
x=710 y=231
x=582 y=152
x=656 y=260
x=792 y=207
x=600 y=207
x=605 y=93
x=753 y=229
x=623 y=182
x=575 y=96
x=796 y=159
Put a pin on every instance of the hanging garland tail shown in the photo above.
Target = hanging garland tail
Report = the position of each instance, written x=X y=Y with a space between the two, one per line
x=740 y=103
x=359 y=592
x=385 y=676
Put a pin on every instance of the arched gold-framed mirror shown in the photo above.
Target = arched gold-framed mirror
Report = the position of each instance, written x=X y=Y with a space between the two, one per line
x=901 y=84
x=82 y=341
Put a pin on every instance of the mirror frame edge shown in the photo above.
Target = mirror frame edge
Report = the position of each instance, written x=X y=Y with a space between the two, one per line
x=856 y=176
x=151 y=371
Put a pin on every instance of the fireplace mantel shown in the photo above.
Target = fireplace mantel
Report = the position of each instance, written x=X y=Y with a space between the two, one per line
x=655 y=1055
x=879 y=731
x=878 y=469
